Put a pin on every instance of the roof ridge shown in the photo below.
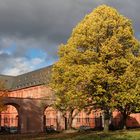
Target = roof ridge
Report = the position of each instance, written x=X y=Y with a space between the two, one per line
x=33 y=78
x=35 y=70
x=7 y=75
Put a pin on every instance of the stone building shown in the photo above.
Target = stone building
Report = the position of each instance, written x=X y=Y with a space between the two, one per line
x=34 y=86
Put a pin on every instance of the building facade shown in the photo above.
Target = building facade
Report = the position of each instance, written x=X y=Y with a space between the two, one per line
x=34 y=85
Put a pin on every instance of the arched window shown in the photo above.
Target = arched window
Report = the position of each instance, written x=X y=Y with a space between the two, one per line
x=9 y=116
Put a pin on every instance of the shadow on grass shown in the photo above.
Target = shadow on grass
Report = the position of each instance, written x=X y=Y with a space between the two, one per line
x=117 y=135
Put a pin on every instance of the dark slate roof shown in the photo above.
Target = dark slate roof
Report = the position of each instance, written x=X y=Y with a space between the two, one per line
x=8 y=80
x=34 y=78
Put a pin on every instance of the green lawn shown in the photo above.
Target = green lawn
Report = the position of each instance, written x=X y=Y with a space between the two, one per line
x=116 y=135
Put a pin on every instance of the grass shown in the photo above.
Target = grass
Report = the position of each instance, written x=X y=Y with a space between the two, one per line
x=116 y=135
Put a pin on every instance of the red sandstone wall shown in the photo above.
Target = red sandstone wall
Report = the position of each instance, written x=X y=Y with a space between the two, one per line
x=32 y=92
x=9 y=116
x=54 y=118
x=132 y=121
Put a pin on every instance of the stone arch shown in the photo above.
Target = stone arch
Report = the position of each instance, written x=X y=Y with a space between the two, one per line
x=30 y=113
x=17 y=106
x=10 y=117
x=50 y=117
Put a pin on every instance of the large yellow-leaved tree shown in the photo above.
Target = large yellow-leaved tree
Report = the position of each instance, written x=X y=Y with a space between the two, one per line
x=100 y=65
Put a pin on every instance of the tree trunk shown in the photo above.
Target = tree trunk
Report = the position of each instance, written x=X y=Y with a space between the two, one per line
x=70 y=119
x=124 y=120
x=106 y=125
x=65 y=118
x=106 y=120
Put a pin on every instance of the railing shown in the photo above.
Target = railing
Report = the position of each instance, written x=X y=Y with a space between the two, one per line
x=95 y=123
x=9 y=122
x=77 y=122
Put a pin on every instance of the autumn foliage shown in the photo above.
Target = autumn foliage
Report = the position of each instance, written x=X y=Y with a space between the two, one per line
x=3 y=93
x=100 y=62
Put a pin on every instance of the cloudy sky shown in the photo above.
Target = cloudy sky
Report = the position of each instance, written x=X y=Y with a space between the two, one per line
x=31 y=30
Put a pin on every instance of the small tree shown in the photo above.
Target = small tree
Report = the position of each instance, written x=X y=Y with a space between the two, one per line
x=97 y=58
x=3 y=93
x=66 y=82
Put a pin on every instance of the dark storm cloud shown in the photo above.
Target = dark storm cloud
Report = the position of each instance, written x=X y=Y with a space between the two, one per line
x=47 y=23
x=4 y=57
x=52 y=19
